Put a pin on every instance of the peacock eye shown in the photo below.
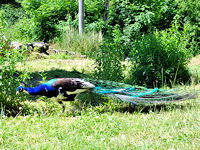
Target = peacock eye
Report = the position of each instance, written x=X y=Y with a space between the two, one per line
x=21 y=90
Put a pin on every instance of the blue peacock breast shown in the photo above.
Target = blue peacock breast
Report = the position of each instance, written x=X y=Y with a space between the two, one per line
x=46 y=90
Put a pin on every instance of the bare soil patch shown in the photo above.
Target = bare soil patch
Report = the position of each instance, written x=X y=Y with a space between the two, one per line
x=195 y=61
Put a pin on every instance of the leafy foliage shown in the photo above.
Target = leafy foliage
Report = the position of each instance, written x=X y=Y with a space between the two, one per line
x=12 y=2
x=10 y=78
x=93 y=10
x=10 y=14
x=108 y=59
x=136 y=18
x=144 y=14
x=43 y=15
x=40 y=18
x=188 y=15
x=160 y=58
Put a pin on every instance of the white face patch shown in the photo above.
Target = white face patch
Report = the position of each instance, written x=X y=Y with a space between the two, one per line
x=77 y=91
x=84 y=84
x=46 y=90
x=88 y=85
x=60 y=88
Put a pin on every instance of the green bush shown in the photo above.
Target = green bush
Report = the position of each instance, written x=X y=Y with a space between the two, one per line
x=37 y=19
x=144 y=14
x=188 y=16
x=136 y=18
x=94 y=10
x=10 y=79
x=22 y=30
x=108 y=59
x=160 y=59
x=10 y=14
x=43 y=15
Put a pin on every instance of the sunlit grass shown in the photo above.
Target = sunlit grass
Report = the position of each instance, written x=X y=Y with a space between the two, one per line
x=66 y=64
x=167 y=129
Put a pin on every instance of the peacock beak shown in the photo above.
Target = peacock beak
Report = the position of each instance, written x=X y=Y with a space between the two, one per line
x=88 y=85
x=17 y=92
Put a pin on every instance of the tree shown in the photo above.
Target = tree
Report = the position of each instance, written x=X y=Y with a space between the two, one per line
x=106 y=10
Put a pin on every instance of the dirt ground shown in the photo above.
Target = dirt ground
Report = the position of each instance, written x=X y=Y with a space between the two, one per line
x=195 y=61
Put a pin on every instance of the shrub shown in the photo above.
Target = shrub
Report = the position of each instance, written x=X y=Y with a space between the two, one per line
x=10 y=78
x=45 y=14
x=188 y=16
x=160 y=58
x=136 y=18
x=94 y=10
x=144 y=14
x=10 y=14
x=108 y=59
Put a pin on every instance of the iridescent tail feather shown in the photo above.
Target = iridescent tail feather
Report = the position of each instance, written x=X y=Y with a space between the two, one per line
x=141 y=95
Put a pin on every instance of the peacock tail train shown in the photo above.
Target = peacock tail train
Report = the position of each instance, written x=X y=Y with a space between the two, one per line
x=139 y=94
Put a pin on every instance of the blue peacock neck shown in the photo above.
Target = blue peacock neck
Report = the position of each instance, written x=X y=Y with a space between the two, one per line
x=34 y=90
x=42 y=89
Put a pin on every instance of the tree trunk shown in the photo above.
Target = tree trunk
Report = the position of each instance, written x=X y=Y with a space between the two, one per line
x=106 y=10
x=81 y=16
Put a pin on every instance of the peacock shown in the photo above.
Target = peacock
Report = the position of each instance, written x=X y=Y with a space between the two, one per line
x=71 y=87
x=68 y=87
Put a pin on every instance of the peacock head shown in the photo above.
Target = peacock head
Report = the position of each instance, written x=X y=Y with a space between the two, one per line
x=21 y=89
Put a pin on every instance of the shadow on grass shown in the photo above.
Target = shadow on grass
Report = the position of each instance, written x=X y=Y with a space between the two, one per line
x=89 y=102
x=37 y=77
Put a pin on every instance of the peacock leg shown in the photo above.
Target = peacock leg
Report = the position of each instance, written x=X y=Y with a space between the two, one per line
x=63 y=106
x=69 y=97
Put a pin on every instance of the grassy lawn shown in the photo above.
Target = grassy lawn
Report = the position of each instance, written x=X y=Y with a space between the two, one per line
x=174 y=126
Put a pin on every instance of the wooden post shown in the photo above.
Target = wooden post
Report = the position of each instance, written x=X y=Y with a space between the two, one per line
x=81 y=16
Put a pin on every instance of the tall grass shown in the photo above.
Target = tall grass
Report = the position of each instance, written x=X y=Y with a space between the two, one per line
x=71 y=41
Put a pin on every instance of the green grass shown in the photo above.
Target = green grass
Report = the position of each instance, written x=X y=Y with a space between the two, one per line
x=59 y=67
x=171 y=129
x=108 y=125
